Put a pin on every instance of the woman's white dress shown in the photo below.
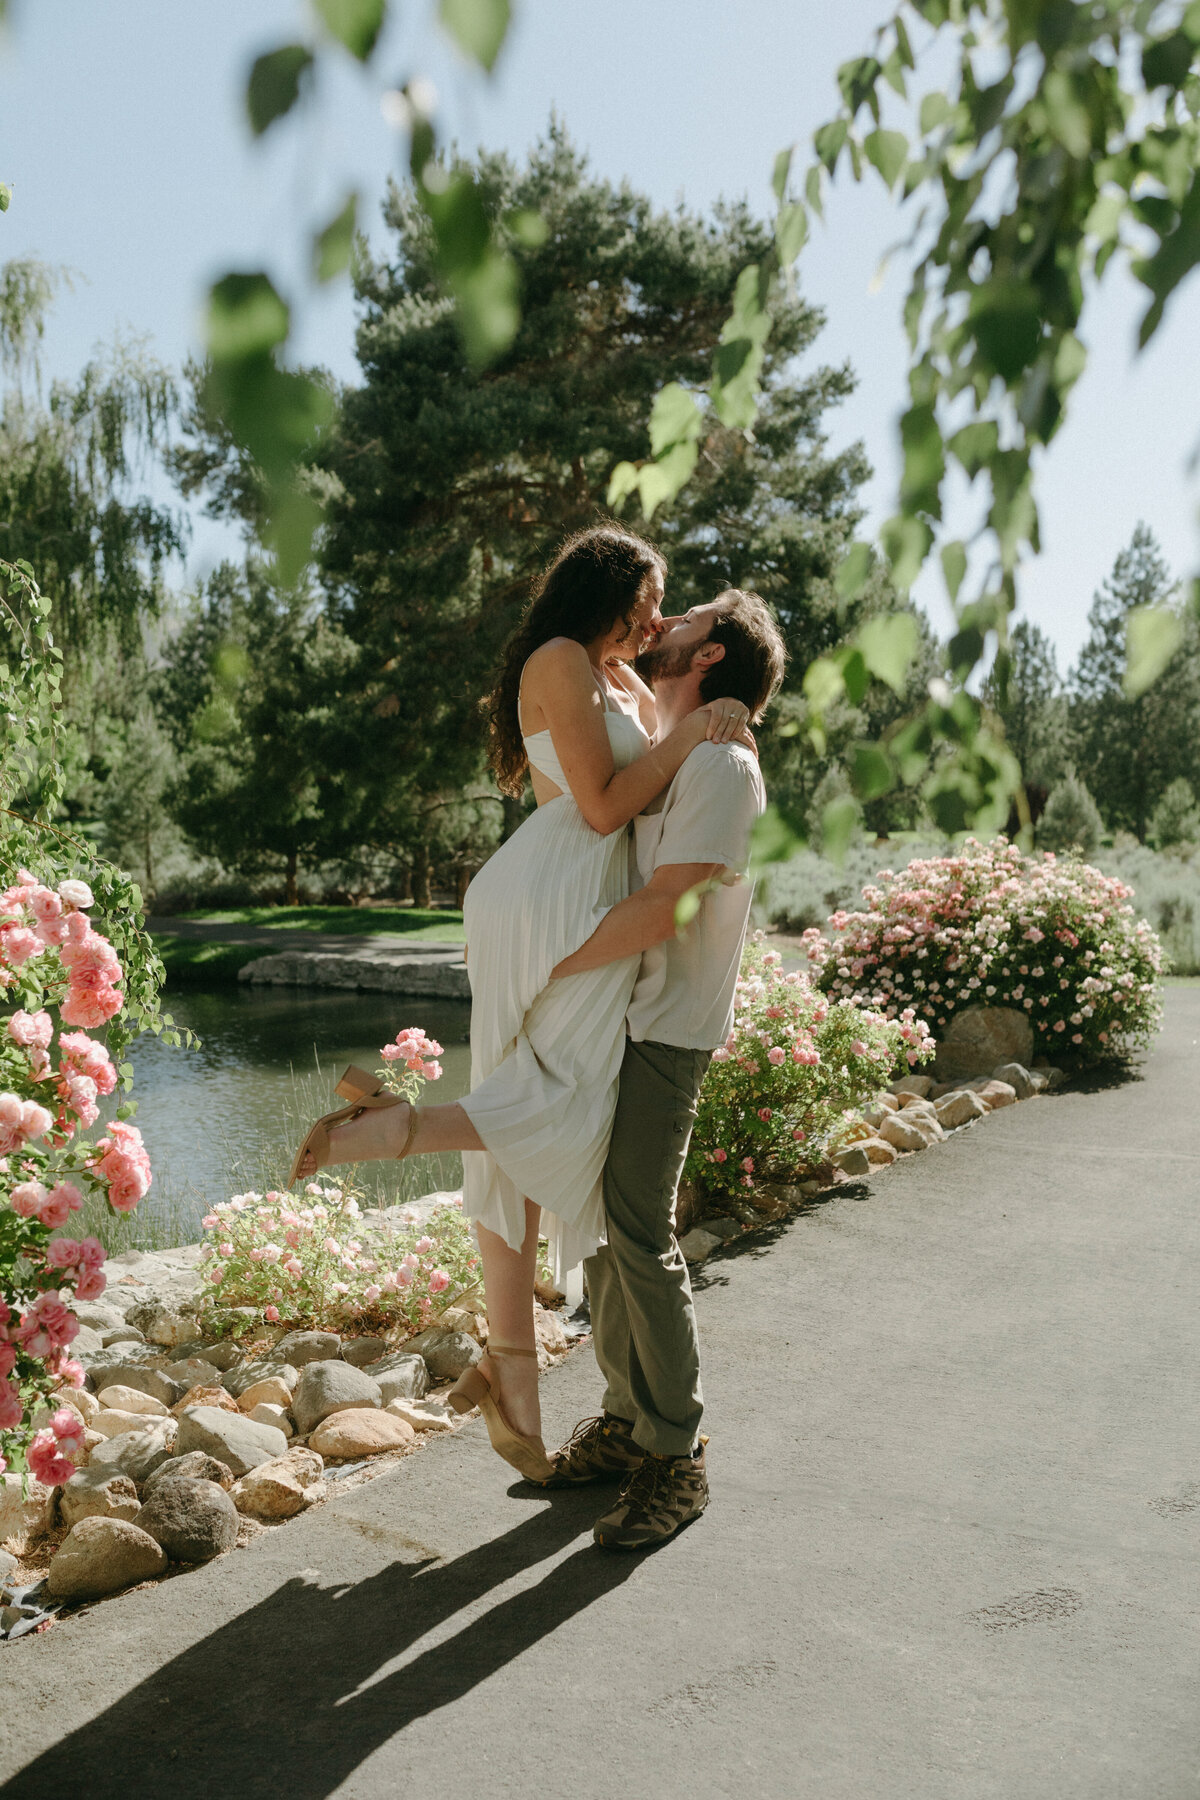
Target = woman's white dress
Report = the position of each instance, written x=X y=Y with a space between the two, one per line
x=546 y=1055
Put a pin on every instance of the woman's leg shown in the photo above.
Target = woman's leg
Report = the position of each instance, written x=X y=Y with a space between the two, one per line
x=508 y=1277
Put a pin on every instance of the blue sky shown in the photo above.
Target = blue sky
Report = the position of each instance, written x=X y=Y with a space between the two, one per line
x=123 y=136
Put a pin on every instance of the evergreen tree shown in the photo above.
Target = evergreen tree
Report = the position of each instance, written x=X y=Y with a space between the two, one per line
x=1071 y=820
x=1133 y=749
x=1033 y=707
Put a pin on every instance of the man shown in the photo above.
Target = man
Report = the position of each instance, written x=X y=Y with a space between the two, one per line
x=697 y=838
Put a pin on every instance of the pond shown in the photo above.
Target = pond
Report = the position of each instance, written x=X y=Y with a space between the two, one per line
x=227 y=1115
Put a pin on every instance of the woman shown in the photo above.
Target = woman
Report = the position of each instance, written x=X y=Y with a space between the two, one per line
x=545 y=1054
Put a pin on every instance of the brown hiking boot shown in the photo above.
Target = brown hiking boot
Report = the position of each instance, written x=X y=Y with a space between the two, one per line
x=596 y=1450
x=664 y=1494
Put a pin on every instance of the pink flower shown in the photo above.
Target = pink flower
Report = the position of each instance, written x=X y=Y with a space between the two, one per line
x=63 y=1199
x=45 y=1462
x=8 y=1358
x=48 y=1325
x=18 y=944
x=90 y=1008
x=438 y=1281
x=858 y=1048
x=83 y=1053
x=331 y=1246
x=271 y=1314
x=775 y=1055
x=403 y=1277
x=209 y=1221
x=75 y=894
x=294 y=1266
x=11 y=1410
x=372 y=1291
x=28 y=1198
x=432 y=1071
x=764 y=1113
x=30 y=1029
x=799 y=1135
x=62 y=1253
x=90 y=1284
x=217 y=1274
x=721 y=1055
x=748 y=1164
x=68 y=1428
x=424 y=1245
x=70 y=1373
x=720 y=1156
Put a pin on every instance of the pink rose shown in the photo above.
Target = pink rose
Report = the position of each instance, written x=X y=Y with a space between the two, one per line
x=372 y=1291
x=775 y=1056
x=721 y=1055
x=75 y=894
x=67 y=1426
x=90 y=1009
x=45 y=1462
x=91 y=1252
x=28 y=1198
x=8 y=1358
x=70 y=1373
x=125 y=1192
x=271 y=1314
x=90 y=1284
x=438 y=1281
x=748 y=1164
x=64 y=1198
x=720 y=1156
x=432 y=1071
x=18 y=944
x=424 y=1245
x=62 y=1253
x=11 y=1410
x=403 y=1277
x=799 y=1135
x=294 y=1266
x=30 y=1029
x=764 y=1113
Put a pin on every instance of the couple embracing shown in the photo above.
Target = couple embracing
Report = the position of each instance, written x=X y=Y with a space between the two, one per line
x=593 y=1018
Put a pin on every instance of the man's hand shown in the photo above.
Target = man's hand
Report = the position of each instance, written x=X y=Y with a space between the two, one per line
x=636 y=924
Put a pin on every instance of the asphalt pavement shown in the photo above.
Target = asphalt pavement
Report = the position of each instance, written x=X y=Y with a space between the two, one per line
x=953 y=1550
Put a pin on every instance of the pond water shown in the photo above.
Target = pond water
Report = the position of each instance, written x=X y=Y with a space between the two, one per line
x=227 y=1115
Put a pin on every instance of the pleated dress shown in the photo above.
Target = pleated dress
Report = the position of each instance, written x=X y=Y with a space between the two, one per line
x=546 y=1055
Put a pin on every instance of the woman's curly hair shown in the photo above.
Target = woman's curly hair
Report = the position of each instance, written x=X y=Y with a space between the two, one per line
x=592 y=584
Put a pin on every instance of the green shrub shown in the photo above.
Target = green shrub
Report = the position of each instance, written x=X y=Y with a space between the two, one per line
x=1176 y=818
x=1071 y=820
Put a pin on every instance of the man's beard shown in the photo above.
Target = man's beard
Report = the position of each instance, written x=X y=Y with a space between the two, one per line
x=662 y=663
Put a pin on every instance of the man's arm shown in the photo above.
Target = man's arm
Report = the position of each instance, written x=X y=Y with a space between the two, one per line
x=645 y=919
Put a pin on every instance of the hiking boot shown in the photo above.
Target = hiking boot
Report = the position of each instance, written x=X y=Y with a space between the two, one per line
x=597 y=1450
x=662 y=1495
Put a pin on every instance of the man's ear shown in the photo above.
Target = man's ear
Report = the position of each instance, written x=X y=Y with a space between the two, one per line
x=710 y=654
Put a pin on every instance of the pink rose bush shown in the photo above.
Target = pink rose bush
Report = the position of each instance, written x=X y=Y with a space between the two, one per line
x=53 y=962
x=1050 y=937
x=311 y=1260
x=785 y=1087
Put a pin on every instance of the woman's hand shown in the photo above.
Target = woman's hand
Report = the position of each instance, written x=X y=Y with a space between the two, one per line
x=727 y=719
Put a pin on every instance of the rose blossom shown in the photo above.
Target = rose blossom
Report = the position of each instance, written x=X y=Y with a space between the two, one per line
x=30 y=1029
x=76 y=894
x=438 y=1281
x=11 y=1410
x=46 y=1464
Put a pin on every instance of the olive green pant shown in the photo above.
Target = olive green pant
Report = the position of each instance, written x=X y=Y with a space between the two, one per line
x=643 y=1320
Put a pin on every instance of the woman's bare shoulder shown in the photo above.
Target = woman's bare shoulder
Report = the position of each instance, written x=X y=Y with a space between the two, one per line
x=558 y=659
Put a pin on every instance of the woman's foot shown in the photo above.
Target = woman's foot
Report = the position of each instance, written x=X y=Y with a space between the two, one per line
x=377 y=1135
x=514 y=1384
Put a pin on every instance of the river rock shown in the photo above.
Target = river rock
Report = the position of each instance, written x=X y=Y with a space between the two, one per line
x=161 y=1324
x=917 y=1085
x=270 y=1391
x=22 y=1517
x=111 y=1422
x=229 y=1437
x=98 y=1493
x=275 y=1490
x=246 y=1375
x=1054 y=1078
x=194 y=1466
x=192 y=1520
x=266 y=1414
x=1024 y=1082
x=446 y=1353
x=85 y=1404
x=995 y=1093
x=548 y=1327
x=853 y=1160
x=356 y=1431
x=98 y=1315
x=959 y=1108
x=904 y=1134
x=86 y=1344
x=121 y=1334
x=301 y=1347
x=146 y=1379
x=194 y=1371
x=878 y=1150
x=979 y=1037
x=325 y=1388
x=132 y=1400
x=222 y=1356
x=403 y=1375
x=362 y=1350
x=205 y=1395
x=99 y=1556
x=137 y=1453
x=422 y=1415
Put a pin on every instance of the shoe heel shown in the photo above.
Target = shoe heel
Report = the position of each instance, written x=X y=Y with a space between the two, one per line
x=467 y=1392
x=356 y=1084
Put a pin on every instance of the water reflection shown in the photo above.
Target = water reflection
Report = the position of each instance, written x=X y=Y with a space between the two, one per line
x=227 y=1115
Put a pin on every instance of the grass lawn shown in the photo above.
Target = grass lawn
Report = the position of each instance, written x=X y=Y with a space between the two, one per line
x=436 y=924
x=192 y=963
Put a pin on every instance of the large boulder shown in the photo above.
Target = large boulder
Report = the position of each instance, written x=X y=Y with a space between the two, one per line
x=99 y=1556
x=161 y=1324
x=979 y=1037
x=994 y=1093
x=194 y=1371
x=358 y=1432
x=23 y=1515
x=329 y=1387
x=98 y=1493
x=423 y=1415
x=267 y=1414
x=959 y=1108
x=244 y=1375
x=1024 y=1082
x=192 y=1520
x=402 y=1376
x=145 y=1377
x=230 y=1437
x=205 y=1395
x=194 y=1466
x=131 y=1400
x=447 y=1353
x=272 y=1390
x=300 y=1347
x=362 y=1350
x=110 y=1422
x=280 y=1489
x=905 y=1133
x=98 y=1315
x=137 y=1453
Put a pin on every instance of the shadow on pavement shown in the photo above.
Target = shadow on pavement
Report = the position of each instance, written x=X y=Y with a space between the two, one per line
x=297 y=1692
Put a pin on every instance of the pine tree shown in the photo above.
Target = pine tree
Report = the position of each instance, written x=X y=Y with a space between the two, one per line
x=1133 y=749
x=1033 y=707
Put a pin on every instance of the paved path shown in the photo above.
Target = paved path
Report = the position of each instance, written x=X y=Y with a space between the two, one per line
x=953 y=1550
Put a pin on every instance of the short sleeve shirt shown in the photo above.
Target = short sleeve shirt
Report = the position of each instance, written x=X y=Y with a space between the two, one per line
x=684 y=992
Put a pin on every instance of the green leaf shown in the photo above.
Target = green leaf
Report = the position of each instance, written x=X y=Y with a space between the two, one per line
x=274 y=84
x=888 y=644
x=1007 y=325
x=354 y=23
x=674 y=418
x=660 y=481
x=935 y=110
x=857 y=79
x=954 y=567
x=528 y=227
x=924 y=461
x=780 y=173
x=791 y=233
x=5 y=196
x=871 y=771
x=812 y=190
x=332 y=247
x=1152 y=636
x=887 y=151
x=906 y=544
x=1067 y=113
x=621 y=483
x=839 y=822
x=964 y=650
x=823 y=683
x=1175 y=257
x=893 y=74
x=828 y=141
x=1167 y=61
x=246 y=318
x=853 y=571
x=772 y=840
x=975 y=445
x=478 y=27
x=855 y=672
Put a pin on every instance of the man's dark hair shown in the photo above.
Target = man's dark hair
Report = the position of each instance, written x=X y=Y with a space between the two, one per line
x=752 y=666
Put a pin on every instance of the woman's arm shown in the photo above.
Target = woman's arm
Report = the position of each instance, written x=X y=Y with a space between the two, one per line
x=560 y=695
